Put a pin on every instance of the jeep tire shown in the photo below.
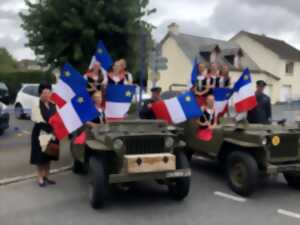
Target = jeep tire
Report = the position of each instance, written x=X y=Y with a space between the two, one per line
x=293 y=179
x=242 y=173
x=98 y=184
x=179 y=187
x=79 y=167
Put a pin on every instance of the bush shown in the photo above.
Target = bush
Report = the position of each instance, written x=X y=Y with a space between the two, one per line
x=14 y=80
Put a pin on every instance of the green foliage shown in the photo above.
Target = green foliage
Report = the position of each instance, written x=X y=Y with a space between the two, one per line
x=60 y=31
x=15 y=79
x=7 y=63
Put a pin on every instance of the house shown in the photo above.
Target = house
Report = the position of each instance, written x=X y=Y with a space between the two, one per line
x=181 y=49
x=276 y=57
x=27 y=64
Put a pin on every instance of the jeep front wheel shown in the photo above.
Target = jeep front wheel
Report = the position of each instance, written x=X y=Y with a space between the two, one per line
x=179 y=187
x=293 y=179
x=79 y=167
x=242 y=173
x=98 y=186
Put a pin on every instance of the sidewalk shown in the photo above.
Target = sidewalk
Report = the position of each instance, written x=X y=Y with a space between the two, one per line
x=15 y=151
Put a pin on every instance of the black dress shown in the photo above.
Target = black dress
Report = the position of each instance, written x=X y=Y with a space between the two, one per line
x=37 y=156
x=207 y=116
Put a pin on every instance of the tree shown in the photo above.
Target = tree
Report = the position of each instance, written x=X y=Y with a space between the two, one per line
x=7 y=62
x=68 y=31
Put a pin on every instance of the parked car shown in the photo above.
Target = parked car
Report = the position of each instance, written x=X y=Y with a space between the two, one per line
x=4 y=93
x=4 y=118
x=26 y=98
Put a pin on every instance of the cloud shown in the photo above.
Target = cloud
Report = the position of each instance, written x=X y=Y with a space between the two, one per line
x=212 y=18
x=224 y=18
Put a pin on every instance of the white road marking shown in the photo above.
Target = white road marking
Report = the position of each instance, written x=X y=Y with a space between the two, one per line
x=228 y=196
x=26 y=132
x=288 y=213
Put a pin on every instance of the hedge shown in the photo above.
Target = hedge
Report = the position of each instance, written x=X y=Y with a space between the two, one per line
x=14 y=80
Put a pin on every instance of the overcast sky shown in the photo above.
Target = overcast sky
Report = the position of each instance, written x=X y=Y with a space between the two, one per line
x=212 y=18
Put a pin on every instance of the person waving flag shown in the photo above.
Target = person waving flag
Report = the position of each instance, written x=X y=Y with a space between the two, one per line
x=73 y=115
x=69 y=84
x=178 y=109
x=243 y=93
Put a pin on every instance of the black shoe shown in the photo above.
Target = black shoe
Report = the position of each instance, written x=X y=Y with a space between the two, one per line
x=50 y=182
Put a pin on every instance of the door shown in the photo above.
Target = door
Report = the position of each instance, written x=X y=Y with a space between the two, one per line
x=286 y=93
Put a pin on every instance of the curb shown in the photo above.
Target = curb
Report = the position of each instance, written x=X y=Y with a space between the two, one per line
x=18 y=179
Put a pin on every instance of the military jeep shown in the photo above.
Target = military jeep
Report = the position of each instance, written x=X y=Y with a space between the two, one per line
x=247 y=151
x=131 y=151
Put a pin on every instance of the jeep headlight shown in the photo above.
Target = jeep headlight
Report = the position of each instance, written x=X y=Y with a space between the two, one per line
x=171 y=128
x=118 y=144
x=264 y=141
x=169 y=142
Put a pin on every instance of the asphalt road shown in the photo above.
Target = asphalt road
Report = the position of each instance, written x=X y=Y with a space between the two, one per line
x=148 y=203
x=210 y=202
x=15 y=150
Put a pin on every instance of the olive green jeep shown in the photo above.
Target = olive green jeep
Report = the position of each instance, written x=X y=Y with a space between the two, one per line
x=132 y=151
x=246 y=151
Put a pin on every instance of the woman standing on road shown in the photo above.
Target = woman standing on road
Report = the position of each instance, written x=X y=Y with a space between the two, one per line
x=42 y=135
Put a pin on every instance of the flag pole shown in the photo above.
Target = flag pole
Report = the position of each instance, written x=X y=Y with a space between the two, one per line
x=142 y=69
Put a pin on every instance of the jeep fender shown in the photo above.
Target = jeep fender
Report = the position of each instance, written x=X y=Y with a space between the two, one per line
x=242 y=143
x=97 y=146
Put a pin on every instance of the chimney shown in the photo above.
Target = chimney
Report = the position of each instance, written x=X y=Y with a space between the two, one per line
x=173 y=28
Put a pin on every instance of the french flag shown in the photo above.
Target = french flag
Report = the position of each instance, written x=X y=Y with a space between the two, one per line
x=118 y=101
x=178 y=109
x=102 y=56
x=194 y=74
x=222 y=96
x=68 y=85
x=73 y=115
x=244 y=98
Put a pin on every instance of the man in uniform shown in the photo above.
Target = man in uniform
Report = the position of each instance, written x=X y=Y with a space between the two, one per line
x=262 y=113
x=146 y=111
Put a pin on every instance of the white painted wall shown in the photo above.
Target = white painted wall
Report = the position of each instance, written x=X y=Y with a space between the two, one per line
x=179 y=66
x=269 y=61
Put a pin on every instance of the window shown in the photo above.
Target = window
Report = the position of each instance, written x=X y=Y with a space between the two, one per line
x=206 y=56
x=289 y=68
x=237 y=61
x=31 y=90
x=230 y=59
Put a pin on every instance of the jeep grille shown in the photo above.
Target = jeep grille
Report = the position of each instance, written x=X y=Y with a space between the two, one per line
x=144 y=145
x=288 y=147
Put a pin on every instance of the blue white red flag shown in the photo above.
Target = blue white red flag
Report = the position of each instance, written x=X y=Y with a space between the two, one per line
x=222 y=96
x=244 y=98
x=178 y=109
x=101 y=55
x=73 y=115
x=69 y=84
x=118 y=100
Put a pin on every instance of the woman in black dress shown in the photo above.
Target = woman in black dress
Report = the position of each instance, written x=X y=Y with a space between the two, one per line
x=208 y=120
x=41 y=113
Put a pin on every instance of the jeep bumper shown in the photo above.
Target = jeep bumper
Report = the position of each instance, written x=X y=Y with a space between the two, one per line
x=124 y=178
x=274 y=169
